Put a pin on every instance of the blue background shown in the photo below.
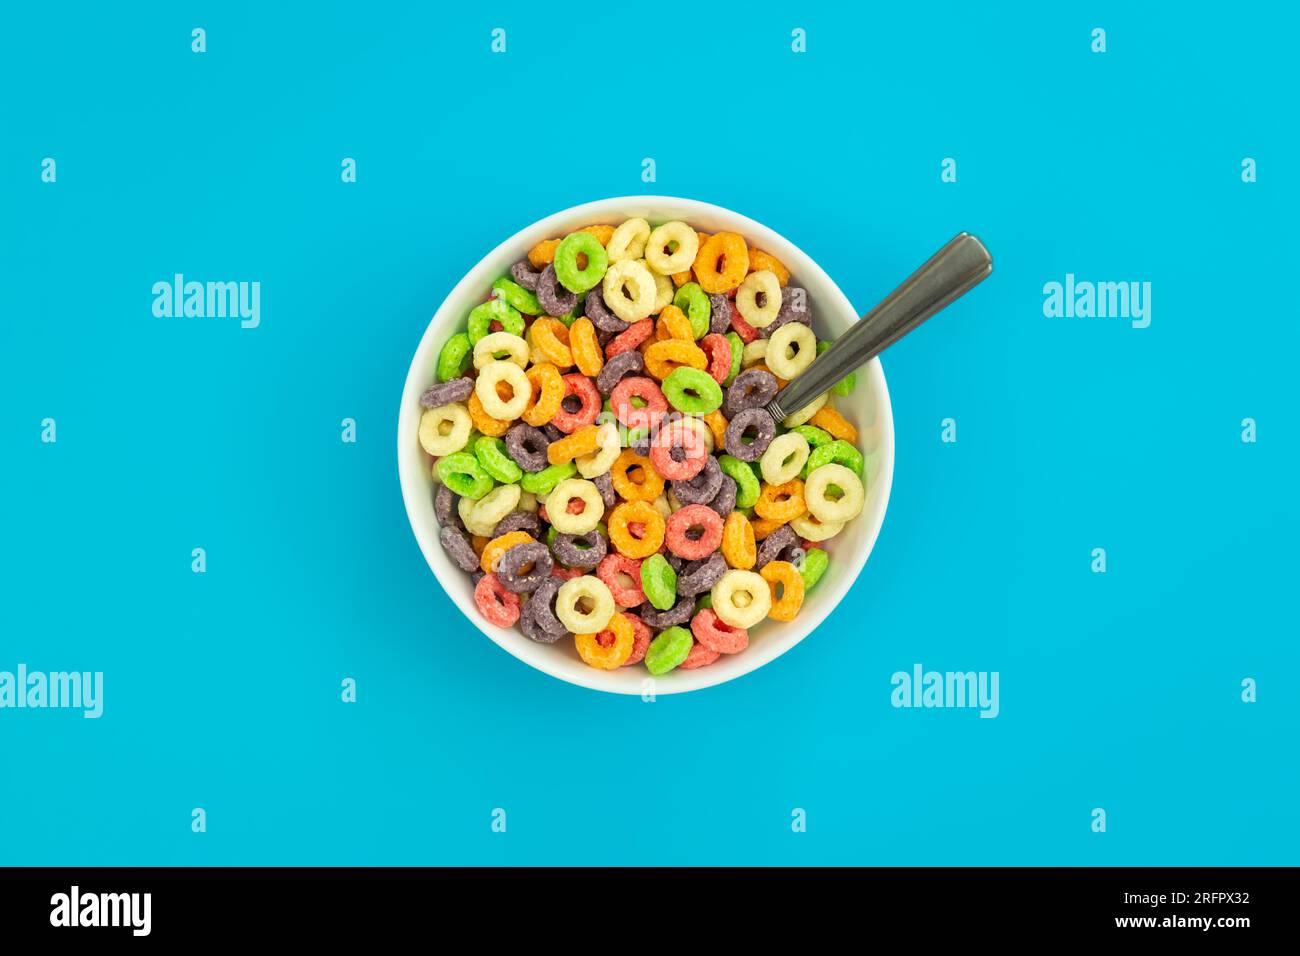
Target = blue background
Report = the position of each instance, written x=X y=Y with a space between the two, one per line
x=222 y=690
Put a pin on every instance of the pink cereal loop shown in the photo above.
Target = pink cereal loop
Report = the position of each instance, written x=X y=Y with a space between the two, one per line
x=497 y=605
x=682 y=521
x=716 y=636
x=689 y=440
x=575 y=383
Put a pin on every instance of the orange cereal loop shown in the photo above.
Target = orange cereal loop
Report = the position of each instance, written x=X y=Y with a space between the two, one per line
x=485 y=423
x=636 y=529
x=760 y=260
x=674 y=324
x=783 y=502
x=552 y=340
x=717 y=423
x=832 y=421
x=543 y=254
x=585 y=347
x=582 y=442
x=722 y=262
x=764 y=526
x=785 y=577
x=548 y=392
x=493 y=550
x=662 y=357
x=634 y=478
x=780 y=382
x=738 y=545
x=478 y=543
x=602 y=233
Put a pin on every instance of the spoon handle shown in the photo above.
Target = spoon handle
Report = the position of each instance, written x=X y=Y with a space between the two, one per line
x=949 y=274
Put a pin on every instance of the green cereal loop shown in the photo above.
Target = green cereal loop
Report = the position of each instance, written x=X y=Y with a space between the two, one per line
x=747 y=487
x=737 y=354
x=659 y=582
x=705 y=600
x=816 y=437
x=496 y=461
x=668 y=650
x=566 y=261
x=543 y=482
x=454 y=359
x=630 y=435
x=690 y=298
x=845 y=385
x=517 y=296
x=838 y=451
x=462 y=473
x=812 y=567
x=692 y=391
x=481 y=316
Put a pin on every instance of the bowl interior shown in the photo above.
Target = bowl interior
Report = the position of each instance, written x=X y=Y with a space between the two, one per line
x=867 y=407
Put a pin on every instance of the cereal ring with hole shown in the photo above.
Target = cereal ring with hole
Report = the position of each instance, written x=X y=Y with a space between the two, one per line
x=458 y=548
x=661 y=358
x=467 y=512
x=625 y=363
x=718 y=351
x=551 y=338
x=622 y=575
x=553 y=297
x=809 y=528
x=582 y=442
x=635 y=478
x=493 y=550
x=694 y=532
x=482 y=316
x=807 y=413
x=787 y=589
x=818 y=493
x=580 y=261
x=716 y=635
x=703 y=488
x=584 y=605
x=462 y=473
x=753 y=388
x=541 y=608
x=777 y=542
x=636 y=529
x=528 y=446
x=738 y=544
x=598 y=462
x=635 y=387
x=543 y=482
x=447 y=393
x=831 y=421
x=698 y=308
x=749 y=433
x=659 y=582
x=454 y=357
x=628 y=240
x=629 y=290
x=630 y=339
x=512 y=377
x=497 y=605
x=571 y=494
x=583 y=551
x=671 y=248
x=741 y=598
x=523 y=568
x=782 y=502
x=692 y=391
x=722 y=262
x=610 y=649
x=579 y=391
x=747 y=485
x=784 y=458
x=587 y=354
x=668 y=650
x=790 y=350
x=525 y=275
x=548 y=392
x=760 y=261
x=493 y=455
x=445 y=429
x=758 y=300
x=594 y=308
x=678 y=452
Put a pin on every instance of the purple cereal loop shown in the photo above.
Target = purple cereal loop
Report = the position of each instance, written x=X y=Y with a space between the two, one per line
x=555 y=299
x=764 y=431
x=541 y=606
x=552 y=432
x=724 y=503
x=701 y=489
x=675 y=562
x=770 y=548
x=792 y=298
x=699 y=576
x=445 y=393
x=511 y=564
x=752 y=388
x=444 y=508
x=527 y=446
x=679 y=613
x=596 y=310
x=524 y=274
x=631 y=362
x=720 y=309
x=580 y=550
x=458 y=548
x=518 y=521
x=605 y=485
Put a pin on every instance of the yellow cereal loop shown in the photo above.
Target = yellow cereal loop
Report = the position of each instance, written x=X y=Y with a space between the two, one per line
x=808 y=527
x=500 y=346
x=628 y=240
x=741 y=598
x=513 y=383
x=575 y=489
x=790 y=350
x=608 y=448
x=584 y=604
x=444 y=429
x=671 y=248
x=758 y=300
x=834 y=493
x=629 y=290
x=803 y=415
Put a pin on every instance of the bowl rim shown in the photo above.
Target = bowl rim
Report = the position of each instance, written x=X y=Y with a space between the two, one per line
x=509 y=639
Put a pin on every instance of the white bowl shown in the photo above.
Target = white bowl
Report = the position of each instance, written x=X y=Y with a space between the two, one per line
x=867 y=407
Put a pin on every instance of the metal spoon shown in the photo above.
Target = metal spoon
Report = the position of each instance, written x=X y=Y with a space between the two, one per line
x=948 y=275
